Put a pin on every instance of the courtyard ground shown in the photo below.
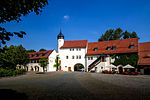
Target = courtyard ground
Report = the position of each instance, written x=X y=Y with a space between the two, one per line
x=75 y=86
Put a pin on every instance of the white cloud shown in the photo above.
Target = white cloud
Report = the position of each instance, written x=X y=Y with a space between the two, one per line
x=66 y=17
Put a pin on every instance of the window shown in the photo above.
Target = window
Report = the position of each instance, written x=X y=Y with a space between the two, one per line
x=95 y=49
x=131 y=46
x=79 y=49
x=90 y=58
x=72 y=57
x=72 y=49
x=101 y=67
x=114 y=47
x=108 y=48
x=76 y=57
x=79 y=56
x=67 y=57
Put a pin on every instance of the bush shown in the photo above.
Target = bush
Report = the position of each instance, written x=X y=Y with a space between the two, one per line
x=10 y=72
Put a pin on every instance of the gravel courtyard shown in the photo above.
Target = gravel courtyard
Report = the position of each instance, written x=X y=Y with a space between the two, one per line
x=75 y=86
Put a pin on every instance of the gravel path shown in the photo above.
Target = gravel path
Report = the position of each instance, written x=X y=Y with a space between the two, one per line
x=75 y=86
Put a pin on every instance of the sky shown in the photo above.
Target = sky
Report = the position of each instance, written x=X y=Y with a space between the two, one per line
x=81 y=19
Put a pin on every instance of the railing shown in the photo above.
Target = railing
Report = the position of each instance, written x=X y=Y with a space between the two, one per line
x=93 y=64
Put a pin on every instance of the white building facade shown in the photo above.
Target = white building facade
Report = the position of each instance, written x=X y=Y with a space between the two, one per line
x=92 y=56
x=81 y=55
x=72 y=53
x=34 y=64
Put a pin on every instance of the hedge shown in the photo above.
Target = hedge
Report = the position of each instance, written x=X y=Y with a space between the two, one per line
x=10 y=72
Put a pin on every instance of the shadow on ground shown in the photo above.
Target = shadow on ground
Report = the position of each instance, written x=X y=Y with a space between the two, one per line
x=8 y=94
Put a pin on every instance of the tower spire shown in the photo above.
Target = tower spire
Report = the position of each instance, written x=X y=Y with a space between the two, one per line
x=60 y=35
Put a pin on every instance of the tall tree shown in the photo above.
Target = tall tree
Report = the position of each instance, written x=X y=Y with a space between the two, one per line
x=107 y=35
x=126 y=35
x=12 y=56
x=134 y=35
x=117 y=34
x=13 y=10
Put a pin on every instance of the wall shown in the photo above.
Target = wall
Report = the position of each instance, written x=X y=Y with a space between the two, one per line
x=32 y=65
x=66 y=63
x=51 y=60
x=101 y=66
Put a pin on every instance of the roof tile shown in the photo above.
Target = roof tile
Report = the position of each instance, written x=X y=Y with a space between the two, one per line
x=40 y=54
x=116 y=46
x=75 y=44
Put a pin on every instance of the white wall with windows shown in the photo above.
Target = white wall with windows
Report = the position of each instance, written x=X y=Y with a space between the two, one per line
x=71 y=56
x=105 y=61
x=35 y=66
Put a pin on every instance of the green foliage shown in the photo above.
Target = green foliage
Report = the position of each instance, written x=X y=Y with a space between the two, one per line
x=42 y=49
x=31 y=50
x=117 y=34
x=13 y=10
x=124 y=59
x=10 y=72
x=43 y=63
x=12 y=56
x=57 y=63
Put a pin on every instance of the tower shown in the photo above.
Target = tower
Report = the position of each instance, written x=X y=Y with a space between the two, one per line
x=60 y=40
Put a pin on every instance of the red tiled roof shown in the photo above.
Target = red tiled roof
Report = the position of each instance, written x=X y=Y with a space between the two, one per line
x=144 y=53
x=75 y=44
x=120 y=46
x=40 y=54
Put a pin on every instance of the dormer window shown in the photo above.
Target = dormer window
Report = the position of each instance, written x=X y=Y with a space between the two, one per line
x=95 y=49
x=108 y=48
x=36 y=55
x=131 y=46
x=43 y=54
x=114 y=48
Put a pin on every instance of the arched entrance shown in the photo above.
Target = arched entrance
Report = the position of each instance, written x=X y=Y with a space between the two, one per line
x=78 y=67
x=36 y=68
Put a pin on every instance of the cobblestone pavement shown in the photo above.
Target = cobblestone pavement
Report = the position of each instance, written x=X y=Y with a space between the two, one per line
x=75 y=86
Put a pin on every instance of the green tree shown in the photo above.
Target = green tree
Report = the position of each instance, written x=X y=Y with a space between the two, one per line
x=42 y=49
x=124 y=59
x=126 y=35
x=31 y=50
x=117 y=34
x=12 y=56
x=13 y=10
x=43 y=63
x=134 y=35
x=57 y=63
